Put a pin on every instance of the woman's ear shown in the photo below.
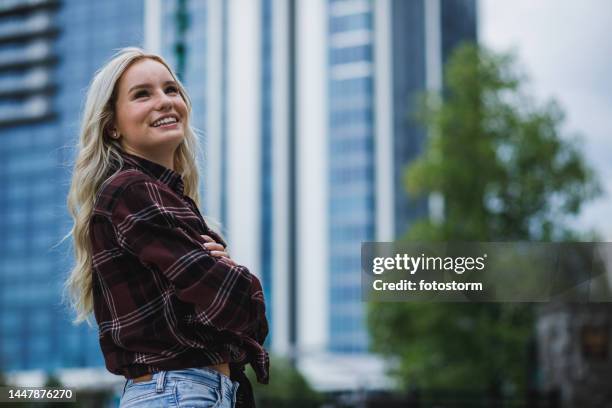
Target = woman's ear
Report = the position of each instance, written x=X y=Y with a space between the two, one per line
x=110 y=127
x=112 y=132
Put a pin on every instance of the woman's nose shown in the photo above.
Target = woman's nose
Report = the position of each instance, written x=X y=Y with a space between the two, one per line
x=163 y=101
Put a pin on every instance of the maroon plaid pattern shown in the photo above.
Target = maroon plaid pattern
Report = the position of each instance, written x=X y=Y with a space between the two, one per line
x=161 y=300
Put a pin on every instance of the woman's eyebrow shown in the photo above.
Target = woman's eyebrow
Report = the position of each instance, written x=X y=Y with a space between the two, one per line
x=148 y=85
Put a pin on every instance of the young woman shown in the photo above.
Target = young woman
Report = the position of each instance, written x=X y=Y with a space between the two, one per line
x=176 y=316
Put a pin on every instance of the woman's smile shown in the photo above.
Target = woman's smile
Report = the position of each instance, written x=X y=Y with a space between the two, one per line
x=167 y=122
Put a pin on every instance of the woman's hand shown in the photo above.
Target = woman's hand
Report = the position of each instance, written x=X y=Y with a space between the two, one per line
x=217 y=250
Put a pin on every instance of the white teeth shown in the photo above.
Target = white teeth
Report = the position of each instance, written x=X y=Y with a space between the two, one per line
x=164 y=121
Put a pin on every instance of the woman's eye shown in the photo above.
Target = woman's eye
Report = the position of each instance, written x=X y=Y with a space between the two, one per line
x=140 y=94
x=171 y=89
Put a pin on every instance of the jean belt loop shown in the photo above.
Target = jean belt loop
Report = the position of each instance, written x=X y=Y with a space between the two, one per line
x=234 y=394
x=220 y=384
x=161 y=380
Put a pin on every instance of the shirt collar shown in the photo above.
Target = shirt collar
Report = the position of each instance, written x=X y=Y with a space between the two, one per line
x=167 y=176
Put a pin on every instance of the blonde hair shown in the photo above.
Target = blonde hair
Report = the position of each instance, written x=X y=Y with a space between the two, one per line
x=99 y=157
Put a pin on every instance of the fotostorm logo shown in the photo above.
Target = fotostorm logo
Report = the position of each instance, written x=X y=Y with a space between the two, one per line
x=412 y=264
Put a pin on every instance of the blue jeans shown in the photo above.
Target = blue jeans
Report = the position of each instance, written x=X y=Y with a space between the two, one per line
x=188 y=388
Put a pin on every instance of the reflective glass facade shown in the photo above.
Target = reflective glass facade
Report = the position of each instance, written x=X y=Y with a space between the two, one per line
x=409 y=78
x=267 y=210
x=35 y=164
x=351 y=166
x=352 y=83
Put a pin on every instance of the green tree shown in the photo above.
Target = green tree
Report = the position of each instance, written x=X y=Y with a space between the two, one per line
x=287 y=387
x=504 y=172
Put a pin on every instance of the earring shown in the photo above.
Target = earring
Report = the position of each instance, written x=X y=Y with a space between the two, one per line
x=114 y=135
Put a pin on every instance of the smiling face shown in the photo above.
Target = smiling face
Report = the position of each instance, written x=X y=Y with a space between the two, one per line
x=150 y=113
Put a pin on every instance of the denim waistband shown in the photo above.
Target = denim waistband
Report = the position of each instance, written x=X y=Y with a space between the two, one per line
x=203 y=375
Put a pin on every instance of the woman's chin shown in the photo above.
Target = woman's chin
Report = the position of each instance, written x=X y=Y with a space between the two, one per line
x=174 y=135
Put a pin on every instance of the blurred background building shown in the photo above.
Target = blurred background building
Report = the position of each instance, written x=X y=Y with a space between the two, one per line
x=48 y=53
x=303 y=107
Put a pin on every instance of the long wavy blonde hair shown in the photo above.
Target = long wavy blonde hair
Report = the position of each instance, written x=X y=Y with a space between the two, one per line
x=98 y=158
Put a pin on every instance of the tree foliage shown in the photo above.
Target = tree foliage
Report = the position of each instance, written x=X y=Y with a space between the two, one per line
x=500 y=162
x=505 y=172
x=287 y=386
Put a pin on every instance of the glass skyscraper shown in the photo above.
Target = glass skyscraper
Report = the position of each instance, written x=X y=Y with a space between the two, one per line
x=351 y=180
x=382 y=54
x=49 y=51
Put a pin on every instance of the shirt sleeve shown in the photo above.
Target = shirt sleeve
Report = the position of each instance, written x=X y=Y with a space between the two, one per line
x=226 y=297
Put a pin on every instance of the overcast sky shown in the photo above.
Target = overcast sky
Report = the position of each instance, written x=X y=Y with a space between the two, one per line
x=564 y=46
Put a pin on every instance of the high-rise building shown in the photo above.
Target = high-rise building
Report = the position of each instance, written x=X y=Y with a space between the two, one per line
x=49 y=51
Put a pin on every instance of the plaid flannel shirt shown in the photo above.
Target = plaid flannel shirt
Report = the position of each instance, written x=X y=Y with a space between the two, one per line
x=161 y=300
